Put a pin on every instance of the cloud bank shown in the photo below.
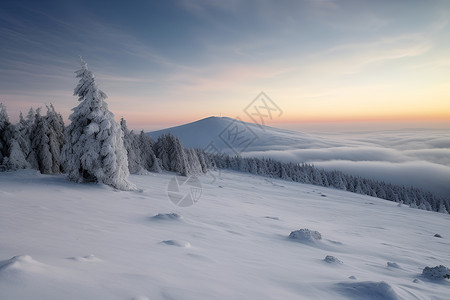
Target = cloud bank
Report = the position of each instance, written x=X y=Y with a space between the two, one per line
x=419 y=158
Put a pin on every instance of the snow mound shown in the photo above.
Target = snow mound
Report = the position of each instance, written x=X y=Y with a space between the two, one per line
x=332 y=260
x=169 y=216
x=367 y=290
x=20 y=264
x=88 y=258
x=436 y=273
x=393 y=265
x=305 y=236
x=182 y=244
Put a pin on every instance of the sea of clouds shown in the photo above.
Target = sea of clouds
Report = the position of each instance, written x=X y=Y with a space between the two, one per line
x=412 y=157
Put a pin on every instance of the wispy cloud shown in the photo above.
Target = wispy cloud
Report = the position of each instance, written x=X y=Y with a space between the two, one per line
x=303 y=51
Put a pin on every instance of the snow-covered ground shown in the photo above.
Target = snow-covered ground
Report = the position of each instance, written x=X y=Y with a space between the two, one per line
x=62 y=240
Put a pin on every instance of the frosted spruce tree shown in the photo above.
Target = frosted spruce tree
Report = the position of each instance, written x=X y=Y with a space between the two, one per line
x=28 y=131
x=18 y=147
x=94 y=149
x=146 y=144
x=56 y=139
x=25 y=128
x=47 y=140
x=40 y=143
x=134 y=154
x=170 y=152
x=4 y=126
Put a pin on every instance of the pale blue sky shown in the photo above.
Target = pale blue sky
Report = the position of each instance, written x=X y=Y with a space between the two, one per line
x=167 y=62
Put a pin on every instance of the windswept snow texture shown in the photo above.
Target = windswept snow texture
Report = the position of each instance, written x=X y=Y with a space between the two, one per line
x=368 y=291
x=411 y=157
x=62 y=240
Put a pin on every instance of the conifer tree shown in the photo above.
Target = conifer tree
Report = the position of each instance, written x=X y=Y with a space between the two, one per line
x=169 y=150
x=18 y=146
x=4 y=125
x=94 y=150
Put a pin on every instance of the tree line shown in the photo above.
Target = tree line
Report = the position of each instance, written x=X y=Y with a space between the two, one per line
x=95 y=148
x=309 y=174
x=37 y=142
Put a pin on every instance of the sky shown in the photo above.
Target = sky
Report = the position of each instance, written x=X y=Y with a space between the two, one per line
x=326 y=64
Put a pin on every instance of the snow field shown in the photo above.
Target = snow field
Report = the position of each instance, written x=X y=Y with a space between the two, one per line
x=62 y=240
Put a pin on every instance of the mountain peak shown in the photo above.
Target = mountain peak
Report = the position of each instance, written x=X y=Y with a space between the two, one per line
x=233 y=136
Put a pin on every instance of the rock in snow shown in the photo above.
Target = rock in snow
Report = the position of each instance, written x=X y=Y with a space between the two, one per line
x=393 y=265
x=332 y=260
x=305 y=235
x=87 y=258
x=436 y=273
x=169 y=216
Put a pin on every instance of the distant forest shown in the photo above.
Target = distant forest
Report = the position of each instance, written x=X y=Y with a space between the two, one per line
x=94 y=148
x=36 y=142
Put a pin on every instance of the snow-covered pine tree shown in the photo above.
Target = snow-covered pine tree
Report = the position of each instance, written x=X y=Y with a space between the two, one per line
x=169 y=150
x=16 y=159
x=161 y=152
x=141 y=157
x=4 y=125
x=26 y=130
x=40 y=143
x=193 y=163
x=146 y=144
x=56 y=139
x=94 y=151
x=28 y=133
x=18 y=146
x=203 y=160
x=442 y=208
x=133 y=152
x=253 y=167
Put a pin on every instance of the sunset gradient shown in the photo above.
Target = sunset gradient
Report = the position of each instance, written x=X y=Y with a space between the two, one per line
x=164 y=63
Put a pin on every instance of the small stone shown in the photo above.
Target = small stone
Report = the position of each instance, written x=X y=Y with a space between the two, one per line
x=305 y=235
x=393 y=265
x=332 y=260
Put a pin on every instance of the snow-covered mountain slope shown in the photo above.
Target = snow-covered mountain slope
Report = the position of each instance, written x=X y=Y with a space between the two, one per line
x=417 y=158
x=61 y=240
x=221 y=132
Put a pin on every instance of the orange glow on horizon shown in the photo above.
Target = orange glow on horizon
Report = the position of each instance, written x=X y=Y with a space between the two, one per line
x=443 y=117
x=145 y=121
